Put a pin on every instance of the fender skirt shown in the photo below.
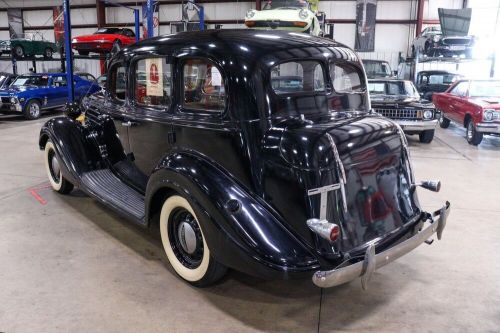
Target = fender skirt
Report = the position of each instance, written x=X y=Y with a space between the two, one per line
x=241 y=230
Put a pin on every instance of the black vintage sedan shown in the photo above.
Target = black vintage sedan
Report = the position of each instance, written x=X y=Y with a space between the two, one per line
x=400 y=101
x=196 y=134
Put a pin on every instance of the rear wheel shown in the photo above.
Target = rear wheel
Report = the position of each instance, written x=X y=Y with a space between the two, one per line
x=185 y=244
x=52 y=166
x=32 y=110
x=426 y=136
x=473 y=137
x=48 y=53
x=18 y=51
x=443 y=121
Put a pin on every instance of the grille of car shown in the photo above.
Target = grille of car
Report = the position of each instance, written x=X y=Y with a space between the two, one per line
x=456 y=41
x=400 y=113
x=6 y=100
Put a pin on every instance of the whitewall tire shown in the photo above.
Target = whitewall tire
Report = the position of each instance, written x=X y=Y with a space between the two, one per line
x=54 y=173
x=185 y=244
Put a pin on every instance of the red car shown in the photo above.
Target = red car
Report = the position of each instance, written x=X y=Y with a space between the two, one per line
x=103 y=40
x=475 y=104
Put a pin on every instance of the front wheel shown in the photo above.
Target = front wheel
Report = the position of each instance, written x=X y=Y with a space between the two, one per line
x=32 y=110
x=185 y=244
x=473 y=137
x=52 y=166
x=18 y=51
x=426 y=136
x=443 y=121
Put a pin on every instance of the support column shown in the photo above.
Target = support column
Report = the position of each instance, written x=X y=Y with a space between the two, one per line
x=101 y=13
x=420 y=17
x=258 y=4
x=68 y=53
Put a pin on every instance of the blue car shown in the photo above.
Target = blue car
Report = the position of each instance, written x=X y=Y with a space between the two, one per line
x=29 y=94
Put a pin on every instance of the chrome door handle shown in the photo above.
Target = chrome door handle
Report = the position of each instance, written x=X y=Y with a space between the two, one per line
x=128 y=123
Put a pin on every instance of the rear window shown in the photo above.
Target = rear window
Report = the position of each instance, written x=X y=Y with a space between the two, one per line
x=297 y=77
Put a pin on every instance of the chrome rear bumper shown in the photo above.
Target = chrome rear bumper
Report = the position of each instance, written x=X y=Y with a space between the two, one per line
x=372 y=261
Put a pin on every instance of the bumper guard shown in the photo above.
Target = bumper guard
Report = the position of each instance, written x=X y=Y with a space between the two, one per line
x=372 y=261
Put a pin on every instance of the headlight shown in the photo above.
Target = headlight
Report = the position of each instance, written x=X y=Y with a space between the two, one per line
x=303 y=14
x=13 y=100
x=488 y=115
x=428 y=114
x=250 y=14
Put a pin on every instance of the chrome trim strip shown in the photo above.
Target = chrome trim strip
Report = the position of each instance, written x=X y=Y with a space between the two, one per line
x=372 y=261
x=415 y=125
x=340 y=171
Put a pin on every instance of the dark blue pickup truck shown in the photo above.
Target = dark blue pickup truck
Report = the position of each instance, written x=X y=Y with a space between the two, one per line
x=31 y=93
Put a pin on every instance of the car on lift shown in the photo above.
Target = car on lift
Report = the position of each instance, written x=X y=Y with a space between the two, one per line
x=377 y=69
x=6 y=79
x=193 y=136
x=29 y=45
x=104 y=40
x=399 y=100
x=432 y=81
x=450 y=39
x=474 y=104
x=29 y=94
x=291 y=15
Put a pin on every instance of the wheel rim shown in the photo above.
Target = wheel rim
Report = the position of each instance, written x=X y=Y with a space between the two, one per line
x=19 y=51
x=470 y=130
x=48 y=53
x=185 y=238
x=55 y=169
x=34 y=110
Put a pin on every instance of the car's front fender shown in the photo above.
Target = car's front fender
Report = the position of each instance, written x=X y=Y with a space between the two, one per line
x=72 y=146
x=241 y=230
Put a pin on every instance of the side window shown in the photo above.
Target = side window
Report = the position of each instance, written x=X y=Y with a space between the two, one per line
x=203 y=86
x=460 y=89
x=346 y=78
x=297 y=76
x=153 y=83
x=117 y=82
x=59 y=81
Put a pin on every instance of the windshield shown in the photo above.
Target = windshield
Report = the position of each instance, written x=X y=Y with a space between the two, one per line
x=484 y=89
x=274 y=4
x=24 y=81
x=393 y=88
x=373 y=68
x=108 y=31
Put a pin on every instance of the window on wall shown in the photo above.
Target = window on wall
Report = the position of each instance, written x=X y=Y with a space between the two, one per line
x=117 y=83
x=153 y=83
x=297 y=77
x=346 y=78
x=203 y=86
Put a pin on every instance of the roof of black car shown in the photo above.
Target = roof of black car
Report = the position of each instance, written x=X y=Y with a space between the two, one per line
x=244 y=39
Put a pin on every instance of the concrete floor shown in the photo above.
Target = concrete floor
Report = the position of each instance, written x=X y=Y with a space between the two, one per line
x=68 y=264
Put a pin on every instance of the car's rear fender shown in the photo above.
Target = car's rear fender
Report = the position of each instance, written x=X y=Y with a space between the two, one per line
x=241 y=230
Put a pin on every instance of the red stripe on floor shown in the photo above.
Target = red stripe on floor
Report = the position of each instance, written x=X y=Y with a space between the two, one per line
x=37 y=196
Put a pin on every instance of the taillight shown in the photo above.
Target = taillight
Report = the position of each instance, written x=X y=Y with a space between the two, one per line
x=324 y=229
x=299 y=24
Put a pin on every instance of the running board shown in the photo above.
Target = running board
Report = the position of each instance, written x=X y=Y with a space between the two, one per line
x=107 y=187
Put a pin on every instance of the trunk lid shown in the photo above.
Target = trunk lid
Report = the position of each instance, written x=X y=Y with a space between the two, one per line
x=377 y=199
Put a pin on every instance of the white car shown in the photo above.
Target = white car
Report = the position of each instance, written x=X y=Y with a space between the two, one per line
x=291 y=15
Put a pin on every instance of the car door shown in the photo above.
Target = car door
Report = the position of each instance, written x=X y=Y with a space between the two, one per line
x=58 y=91
x=455 y=102
x=150 y=112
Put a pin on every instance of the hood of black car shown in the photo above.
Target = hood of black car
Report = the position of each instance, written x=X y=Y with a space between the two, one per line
x=455 y=22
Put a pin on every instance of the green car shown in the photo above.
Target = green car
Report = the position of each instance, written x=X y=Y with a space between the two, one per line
x=28 y=47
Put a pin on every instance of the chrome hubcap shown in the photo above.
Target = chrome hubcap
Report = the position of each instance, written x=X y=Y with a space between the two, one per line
x=34 y=110
x=55 y=166
x=187 y=237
